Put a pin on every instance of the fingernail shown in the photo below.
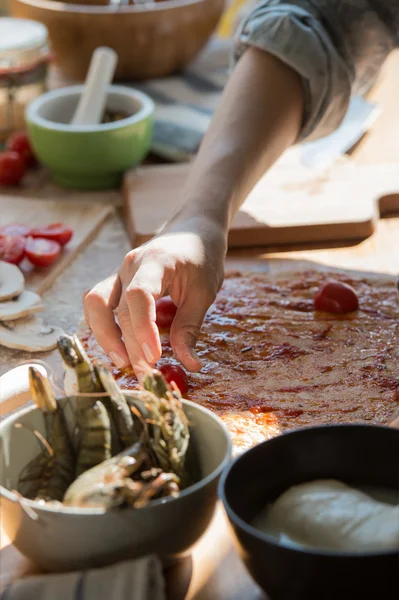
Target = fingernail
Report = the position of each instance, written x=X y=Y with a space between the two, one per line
x=142 y=367
x=141 y=370
x=118 y=360
x=195 y=356
x=148 y=352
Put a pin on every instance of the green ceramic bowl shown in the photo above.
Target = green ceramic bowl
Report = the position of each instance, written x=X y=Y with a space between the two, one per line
x=90 y=157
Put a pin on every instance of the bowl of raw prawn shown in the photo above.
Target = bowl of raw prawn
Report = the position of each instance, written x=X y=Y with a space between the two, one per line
x=60 y=538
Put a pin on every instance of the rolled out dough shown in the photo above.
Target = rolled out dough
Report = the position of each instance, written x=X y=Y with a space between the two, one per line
x=329 y=514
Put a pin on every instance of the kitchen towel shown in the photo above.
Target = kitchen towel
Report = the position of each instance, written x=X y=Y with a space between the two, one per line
x=141 y=579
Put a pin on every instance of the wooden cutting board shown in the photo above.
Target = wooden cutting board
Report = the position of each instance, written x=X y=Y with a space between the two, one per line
x=85 y=218
x=291 y=204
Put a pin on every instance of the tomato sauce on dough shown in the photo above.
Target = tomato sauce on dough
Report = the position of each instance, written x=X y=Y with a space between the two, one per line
x=272 y=363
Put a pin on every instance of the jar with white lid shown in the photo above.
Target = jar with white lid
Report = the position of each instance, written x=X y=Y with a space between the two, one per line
x=24 y=57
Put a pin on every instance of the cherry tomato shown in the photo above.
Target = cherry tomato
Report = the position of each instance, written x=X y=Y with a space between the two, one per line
x=15 y=229
x=336 y=297
x=177 y=375
x=12 y=168
x=56 y=232
x=166 y=311
x=42 y=253
x=19 y=142
x=12 y=248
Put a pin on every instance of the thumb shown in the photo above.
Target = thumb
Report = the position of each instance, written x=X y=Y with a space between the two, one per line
x=185 y=331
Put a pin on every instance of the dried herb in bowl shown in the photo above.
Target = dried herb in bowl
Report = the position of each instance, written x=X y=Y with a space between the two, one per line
x=110 y=116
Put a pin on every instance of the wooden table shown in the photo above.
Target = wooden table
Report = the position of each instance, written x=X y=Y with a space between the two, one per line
x=214 y=570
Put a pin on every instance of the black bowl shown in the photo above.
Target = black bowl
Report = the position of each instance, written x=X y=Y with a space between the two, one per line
x=359 y=455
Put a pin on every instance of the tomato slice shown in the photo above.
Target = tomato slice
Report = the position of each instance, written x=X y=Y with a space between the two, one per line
x=12 y=248
x=166 y=311
x=12 y=168
x=336 y=297
x=15 y=229
x=41 y=252
x=56 y=232
x=177 y=375
x=19 y=142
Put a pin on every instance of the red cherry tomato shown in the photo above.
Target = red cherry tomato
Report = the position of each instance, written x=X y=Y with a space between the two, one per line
x=336 y=297
x=166 y=311
x=19 y=142
x=12 y=168
x=12 y=248
x=42 y=253
x=177 y=375
x=15 y=229
x=56 y=232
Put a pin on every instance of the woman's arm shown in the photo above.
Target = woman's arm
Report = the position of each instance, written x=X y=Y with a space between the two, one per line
x=260 y=115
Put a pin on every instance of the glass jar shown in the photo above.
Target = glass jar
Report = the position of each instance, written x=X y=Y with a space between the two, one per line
x=24 y=57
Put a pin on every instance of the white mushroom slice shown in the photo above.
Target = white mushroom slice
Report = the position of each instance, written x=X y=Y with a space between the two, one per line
x=25 y=304
x=31 y=335
x=11 y=281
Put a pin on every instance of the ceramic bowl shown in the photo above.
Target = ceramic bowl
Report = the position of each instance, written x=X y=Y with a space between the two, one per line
x=90 y=157
x=77 y=538
x=152 y=40
x=359 y=455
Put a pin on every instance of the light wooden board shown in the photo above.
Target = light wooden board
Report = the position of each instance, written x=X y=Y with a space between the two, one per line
x=291 y=204
x=85 y=218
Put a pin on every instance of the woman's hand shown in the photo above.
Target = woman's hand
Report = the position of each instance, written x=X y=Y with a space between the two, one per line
x=186 y=261
x=259 y=116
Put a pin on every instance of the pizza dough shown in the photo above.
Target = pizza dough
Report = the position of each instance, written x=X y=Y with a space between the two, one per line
x=327 y=514
x=271 y=363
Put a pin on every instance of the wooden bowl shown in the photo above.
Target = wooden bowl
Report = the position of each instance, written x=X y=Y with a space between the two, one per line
x=151 y=41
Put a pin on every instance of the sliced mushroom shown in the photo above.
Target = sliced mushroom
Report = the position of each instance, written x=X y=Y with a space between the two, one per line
x=31 y=335
x=25 y=304
x=11 y=281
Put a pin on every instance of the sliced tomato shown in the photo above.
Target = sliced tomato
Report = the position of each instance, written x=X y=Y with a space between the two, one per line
x=15 y=229
x=12 y=248
x=19 y=142
x=41 y=252
x=12 y=168
x=177 y=375
x=166 y=311
x=56 y=232
x=336 y=297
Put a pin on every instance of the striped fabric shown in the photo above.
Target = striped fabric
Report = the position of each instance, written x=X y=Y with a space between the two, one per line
x=141 y=579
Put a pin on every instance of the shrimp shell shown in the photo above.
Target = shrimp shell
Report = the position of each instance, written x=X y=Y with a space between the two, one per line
x=47 y=477
x=118 y=408
x=94 y=438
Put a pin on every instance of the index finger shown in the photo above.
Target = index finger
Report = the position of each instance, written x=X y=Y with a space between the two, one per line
x=137 y=313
